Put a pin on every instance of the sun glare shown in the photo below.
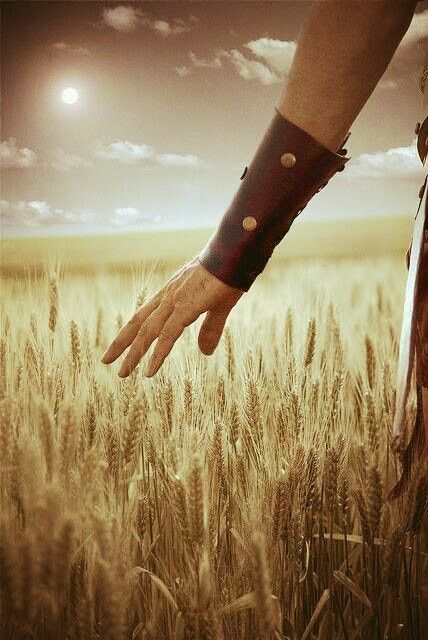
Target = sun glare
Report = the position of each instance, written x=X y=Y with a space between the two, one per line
x=70 y=95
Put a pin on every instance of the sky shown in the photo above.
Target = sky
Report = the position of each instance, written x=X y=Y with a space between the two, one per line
x=174 y=98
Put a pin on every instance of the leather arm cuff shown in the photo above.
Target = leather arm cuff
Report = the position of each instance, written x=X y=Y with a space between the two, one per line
x=288 y=168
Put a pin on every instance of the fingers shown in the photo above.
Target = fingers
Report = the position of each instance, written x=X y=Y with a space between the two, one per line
x=171 y=331
x=148 y=332
x=128 y=333
x=183 y=315
x=211 y=330
x=190 y=292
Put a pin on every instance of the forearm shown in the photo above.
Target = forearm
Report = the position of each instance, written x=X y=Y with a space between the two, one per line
x=342 y=52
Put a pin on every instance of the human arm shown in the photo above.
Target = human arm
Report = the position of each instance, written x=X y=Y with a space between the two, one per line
x=343 y=50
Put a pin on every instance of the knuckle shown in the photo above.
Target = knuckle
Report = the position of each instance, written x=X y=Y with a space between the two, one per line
x=169 y=288
x=133 y=321
x=167 y=303
x=134 y=357
x=181 y=305
x=171 y=332
x=176 y=298
x=165 y=335
x=180 y=294
x=142 y=331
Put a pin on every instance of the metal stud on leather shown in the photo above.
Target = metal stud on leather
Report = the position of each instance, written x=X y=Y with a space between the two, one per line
x=271 y=195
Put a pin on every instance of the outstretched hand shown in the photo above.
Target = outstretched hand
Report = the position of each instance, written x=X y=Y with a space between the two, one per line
x=192 y=290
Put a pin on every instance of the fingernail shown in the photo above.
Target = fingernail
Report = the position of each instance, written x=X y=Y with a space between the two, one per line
x=123 y=371
x=151 y=367
x=104 y=357
x=149 y=370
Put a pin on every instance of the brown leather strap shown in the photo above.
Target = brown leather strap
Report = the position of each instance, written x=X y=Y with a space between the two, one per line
x=288 y=168
x=422 y=143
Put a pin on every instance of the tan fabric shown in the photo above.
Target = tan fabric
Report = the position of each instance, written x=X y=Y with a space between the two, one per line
x=409 y=327
x=413 y=353
x=422 y=319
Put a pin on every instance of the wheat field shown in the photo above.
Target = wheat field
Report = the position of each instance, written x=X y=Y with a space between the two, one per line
x=238 y=496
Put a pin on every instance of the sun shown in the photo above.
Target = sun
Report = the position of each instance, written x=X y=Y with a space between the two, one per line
x=70 y=95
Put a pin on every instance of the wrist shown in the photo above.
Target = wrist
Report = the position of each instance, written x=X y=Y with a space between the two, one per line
x=288 y=168
x=329 y=132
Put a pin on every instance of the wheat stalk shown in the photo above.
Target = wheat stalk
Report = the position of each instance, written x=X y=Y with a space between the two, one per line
x=128 y=506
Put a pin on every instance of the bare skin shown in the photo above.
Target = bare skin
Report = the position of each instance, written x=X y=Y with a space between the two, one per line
x=342 y=52
x=345 y=43
x=192 y=290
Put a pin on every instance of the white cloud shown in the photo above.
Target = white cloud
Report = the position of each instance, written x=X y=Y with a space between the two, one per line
x=69 y=48
x=252 y=69
x=177 y=160
x=63 y=161
x=278 y=54
x=126 y=18
x=122 y=18
x=410 y=56
x=36 y=213
x=215 y=63
x=276 y=57
x=398 y=163
x=165 y=28
x=182 y=71
x=173 y=28
x=124 y=216
x=121 y=151
x=127 y=152
x=12 y=157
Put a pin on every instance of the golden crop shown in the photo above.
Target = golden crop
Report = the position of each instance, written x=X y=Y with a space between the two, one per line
x=239 y=496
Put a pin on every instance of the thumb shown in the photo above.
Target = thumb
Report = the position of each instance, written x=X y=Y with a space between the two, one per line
x=211 y=330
